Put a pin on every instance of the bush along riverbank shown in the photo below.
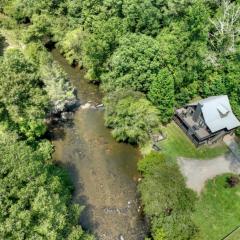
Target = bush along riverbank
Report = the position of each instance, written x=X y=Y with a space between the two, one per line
x=62 y=96
x=36 y=194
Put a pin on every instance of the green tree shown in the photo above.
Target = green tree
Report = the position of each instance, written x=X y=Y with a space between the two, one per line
x=142 y=16
x=72 y=46
x=167 y=201
x=135 y=64
x=40 y=30
x=131 y=116
x=161 y=94
x=100 y=45
x=36 y=202
x=22 y=9
x=21 y=97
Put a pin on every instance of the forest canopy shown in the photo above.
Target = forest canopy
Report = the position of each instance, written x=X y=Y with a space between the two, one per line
x=172 y=51
x=149 y=58
x=36 y=195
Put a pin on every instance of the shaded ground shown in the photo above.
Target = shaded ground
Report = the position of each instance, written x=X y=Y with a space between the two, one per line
x=197 y=172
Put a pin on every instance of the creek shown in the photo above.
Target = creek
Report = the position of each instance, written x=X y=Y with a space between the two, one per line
x=103 y=171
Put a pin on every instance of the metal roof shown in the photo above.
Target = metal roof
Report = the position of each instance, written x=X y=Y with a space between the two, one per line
x=217 y=113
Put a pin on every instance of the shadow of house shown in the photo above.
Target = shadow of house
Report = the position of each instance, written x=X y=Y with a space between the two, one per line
x=207 y=121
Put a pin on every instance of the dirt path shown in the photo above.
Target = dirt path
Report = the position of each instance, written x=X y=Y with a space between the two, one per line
x=197 y=172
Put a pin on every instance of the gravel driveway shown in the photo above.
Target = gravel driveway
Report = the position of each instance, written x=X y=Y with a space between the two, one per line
x=197 y=172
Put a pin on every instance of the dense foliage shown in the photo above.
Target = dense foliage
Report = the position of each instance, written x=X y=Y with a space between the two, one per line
x=131 y=116
x=22 y=100
x=167 y=201
x=35 y=195
x=30 y=84
x=55 y=80
x=171 y=51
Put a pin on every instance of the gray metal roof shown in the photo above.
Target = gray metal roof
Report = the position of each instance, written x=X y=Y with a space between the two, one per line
x=217 y=113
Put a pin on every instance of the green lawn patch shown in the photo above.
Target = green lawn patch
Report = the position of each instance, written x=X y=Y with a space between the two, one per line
x=217 y=210
x=177 y=144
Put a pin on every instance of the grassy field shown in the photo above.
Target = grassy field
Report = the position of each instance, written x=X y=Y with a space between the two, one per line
x=218 y=209
x=177 y=144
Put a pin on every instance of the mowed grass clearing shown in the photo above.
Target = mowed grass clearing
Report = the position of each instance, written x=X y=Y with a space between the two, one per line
x=177 y=144
x=218 y=210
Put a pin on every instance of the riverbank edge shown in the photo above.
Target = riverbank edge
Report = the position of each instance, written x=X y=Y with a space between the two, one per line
x=54 y=116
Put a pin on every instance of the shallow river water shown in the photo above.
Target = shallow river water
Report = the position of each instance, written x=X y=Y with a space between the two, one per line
x=103 y=171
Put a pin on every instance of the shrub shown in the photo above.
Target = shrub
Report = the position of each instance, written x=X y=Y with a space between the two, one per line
x=131 y=116
x=71 y=46
x=232 y=181
x=167 y=201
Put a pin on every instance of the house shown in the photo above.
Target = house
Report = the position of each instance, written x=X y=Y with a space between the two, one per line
x=208 y=120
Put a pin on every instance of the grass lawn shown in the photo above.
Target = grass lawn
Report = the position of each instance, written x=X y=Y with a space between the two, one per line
x=218 y=210
x=177 y=144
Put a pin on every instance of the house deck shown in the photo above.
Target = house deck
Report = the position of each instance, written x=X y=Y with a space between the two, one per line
x=201 y=132
x=207 y=121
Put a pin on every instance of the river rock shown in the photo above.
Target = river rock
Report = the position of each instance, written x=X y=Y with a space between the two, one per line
x=60 y=106
x=100 y=105
x=86 y=106
x=71 y=105
x=121 y=237
x=66 y=116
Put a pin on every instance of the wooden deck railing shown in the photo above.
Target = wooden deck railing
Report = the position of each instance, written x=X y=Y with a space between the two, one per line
x=179 y=123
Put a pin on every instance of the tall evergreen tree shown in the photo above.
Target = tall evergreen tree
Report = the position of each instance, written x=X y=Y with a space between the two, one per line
x=161 y=93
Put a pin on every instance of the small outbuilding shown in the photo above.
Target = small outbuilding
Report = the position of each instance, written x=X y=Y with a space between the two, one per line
x=208 y=120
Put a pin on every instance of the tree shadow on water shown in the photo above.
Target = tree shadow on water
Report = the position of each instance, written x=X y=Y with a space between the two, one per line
x=56 y=130
x=86 y=218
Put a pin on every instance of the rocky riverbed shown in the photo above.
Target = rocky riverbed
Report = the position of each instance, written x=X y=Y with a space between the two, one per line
x=104 y=172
